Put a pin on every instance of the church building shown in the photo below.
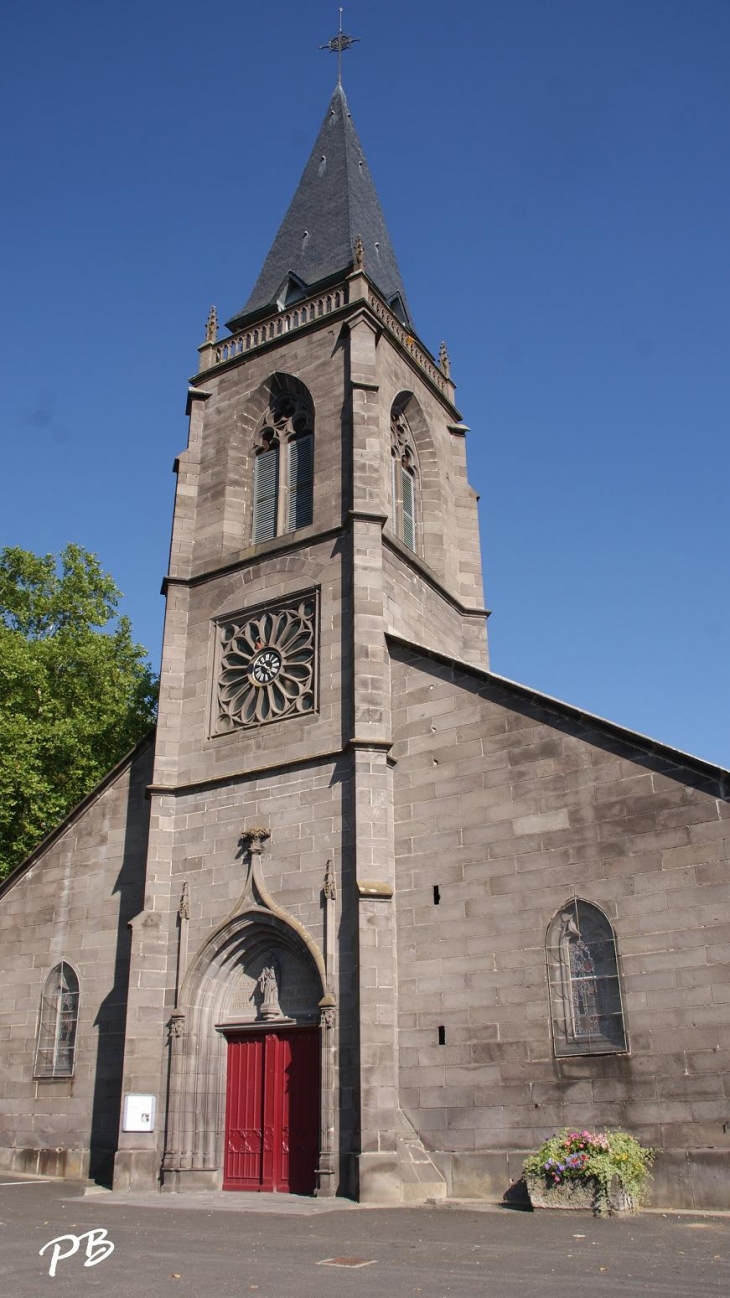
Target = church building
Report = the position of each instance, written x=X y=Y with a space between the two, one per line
x=361 y=917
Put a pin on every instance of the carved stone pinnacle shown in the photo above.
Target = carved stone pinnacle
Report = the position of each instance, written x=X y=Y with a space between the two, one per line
x=329 y=887
x=444 y=362
x=359 y=253
x=211 y=328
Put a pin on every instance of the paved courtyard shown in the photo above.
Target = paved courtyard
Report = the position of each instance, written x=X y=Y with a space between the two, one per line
x=280 y=1247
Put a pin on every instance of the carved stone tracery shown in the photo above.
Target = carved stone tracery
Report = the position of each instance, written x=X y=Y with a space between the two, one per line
x=401 y=439
x=268 y=665
x=289 y=415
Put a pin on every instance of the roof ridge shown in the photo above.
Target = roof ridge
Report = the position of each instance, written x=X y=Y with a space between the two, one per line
x=677 y=756
x=98 y=790
x=340 y=89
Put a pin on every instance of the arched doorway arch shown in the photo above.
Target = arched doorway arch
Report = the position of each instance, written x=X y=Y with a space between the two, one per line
x=255 y=989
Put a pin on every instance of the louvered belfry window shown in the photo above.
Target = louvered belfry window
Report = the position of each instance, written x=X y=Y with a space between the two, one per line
x=284 y=467
x=583 y=982
x=299 y=511
x=266 y=490
x=404 y=479
x=409 y=519
x=56 y=1045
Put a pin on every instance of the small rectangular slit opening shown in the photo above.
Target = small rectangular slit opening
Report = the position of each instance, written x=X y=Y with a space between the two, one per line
x=436 y=894
x=442 y=1036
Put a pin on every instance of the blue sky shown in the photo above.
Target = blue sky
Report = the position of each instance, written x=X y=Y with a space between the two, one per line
x=556 y=180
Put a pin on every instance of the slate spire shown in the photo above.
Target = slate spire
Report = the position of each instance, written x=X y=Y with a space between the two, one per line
x=335 y=202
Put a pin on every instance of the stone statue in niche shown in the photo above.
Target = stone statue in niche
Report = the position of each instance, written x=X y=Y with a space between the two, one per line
x=268 y=984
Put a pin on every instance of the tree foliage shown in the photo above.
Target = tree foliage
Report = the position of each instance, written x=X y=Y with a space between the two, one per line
x=75 y=691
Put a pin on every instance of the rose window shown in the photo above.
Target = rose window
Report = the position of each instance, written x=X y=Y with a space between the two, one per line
x=267 y=666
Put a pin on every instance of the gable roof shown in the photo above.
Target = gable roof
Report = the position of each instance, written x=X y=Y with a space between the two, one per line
x=335 y=201
x=145 y=743
x=674 y=756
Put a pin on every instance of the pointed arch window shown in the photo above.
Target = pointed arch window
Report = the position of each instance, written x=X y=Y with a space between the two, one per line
x=57 y=1024
x=584 y=985
x=404 y=479
x=284 y=467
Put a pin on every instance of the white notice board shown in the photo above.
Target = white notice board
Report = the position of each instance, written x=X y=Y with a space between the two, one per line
x=139 y=1113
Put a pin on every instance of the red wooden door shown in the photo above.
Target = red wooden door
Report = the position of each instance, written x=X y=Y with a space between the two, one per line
x=272 y=1112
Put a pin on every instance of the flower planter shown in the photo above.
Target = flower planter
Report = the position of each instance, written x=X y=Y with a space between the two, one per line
x=604 y=1172
x=582 y=1193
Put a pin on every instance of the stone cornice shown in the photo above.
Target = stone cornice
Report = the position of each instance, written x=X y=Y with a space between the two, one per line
x=255 y=554
x=367 y=516
x=265 y=345
x=248 y=772
x=375 y=890
x=377 y=745
x=370 y=306
x=285 y=544
x=429 y=576
x=195 y=394
x=364 y=315
x=245 y=773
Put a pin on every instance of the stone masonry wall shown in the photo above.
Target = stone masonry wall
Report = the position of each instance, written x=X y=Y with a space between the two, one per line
x=187 y=750
x=408 y=594
x=224 y=451
x=74 y=904
x=303 y=807
x=511 y=808
x=449 y=540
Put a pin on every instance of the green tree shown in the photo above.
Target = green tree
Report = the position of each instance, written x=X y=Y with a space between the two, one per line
x=76 y=692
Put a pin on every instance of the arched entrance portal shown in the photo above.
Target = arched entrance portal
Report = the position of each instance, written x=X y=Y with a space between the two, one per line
x=247 y=1057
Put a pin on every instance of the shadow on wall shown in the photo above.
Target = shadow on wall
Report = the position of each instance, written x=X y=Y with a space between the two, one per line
x=349 y=1001
x=111 y=1018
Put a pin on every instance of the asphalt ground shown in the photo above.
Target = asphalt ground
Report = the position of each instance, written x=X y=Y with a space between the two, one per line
x=263 y=1248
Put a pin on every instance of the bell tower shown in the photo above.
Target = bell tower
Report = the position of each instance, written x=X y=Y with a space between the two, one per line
x=322 y=512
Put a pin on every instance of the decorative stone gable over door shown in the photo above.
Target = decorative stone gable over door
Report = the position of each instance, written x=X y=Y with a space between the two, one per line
x=245 y=1049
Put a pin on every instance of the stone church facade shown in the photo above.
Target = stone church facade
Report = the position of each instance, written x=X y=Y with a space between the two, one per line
x=362 y=917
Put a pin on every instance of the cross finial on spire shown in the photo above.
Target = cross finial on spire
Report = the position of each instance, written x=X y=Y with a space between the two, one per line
x=339 y=43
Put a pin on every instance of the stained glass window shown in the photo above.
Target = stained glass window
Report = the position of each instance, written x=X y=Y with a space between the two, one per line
x=585 y=992
x=56 y=1046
